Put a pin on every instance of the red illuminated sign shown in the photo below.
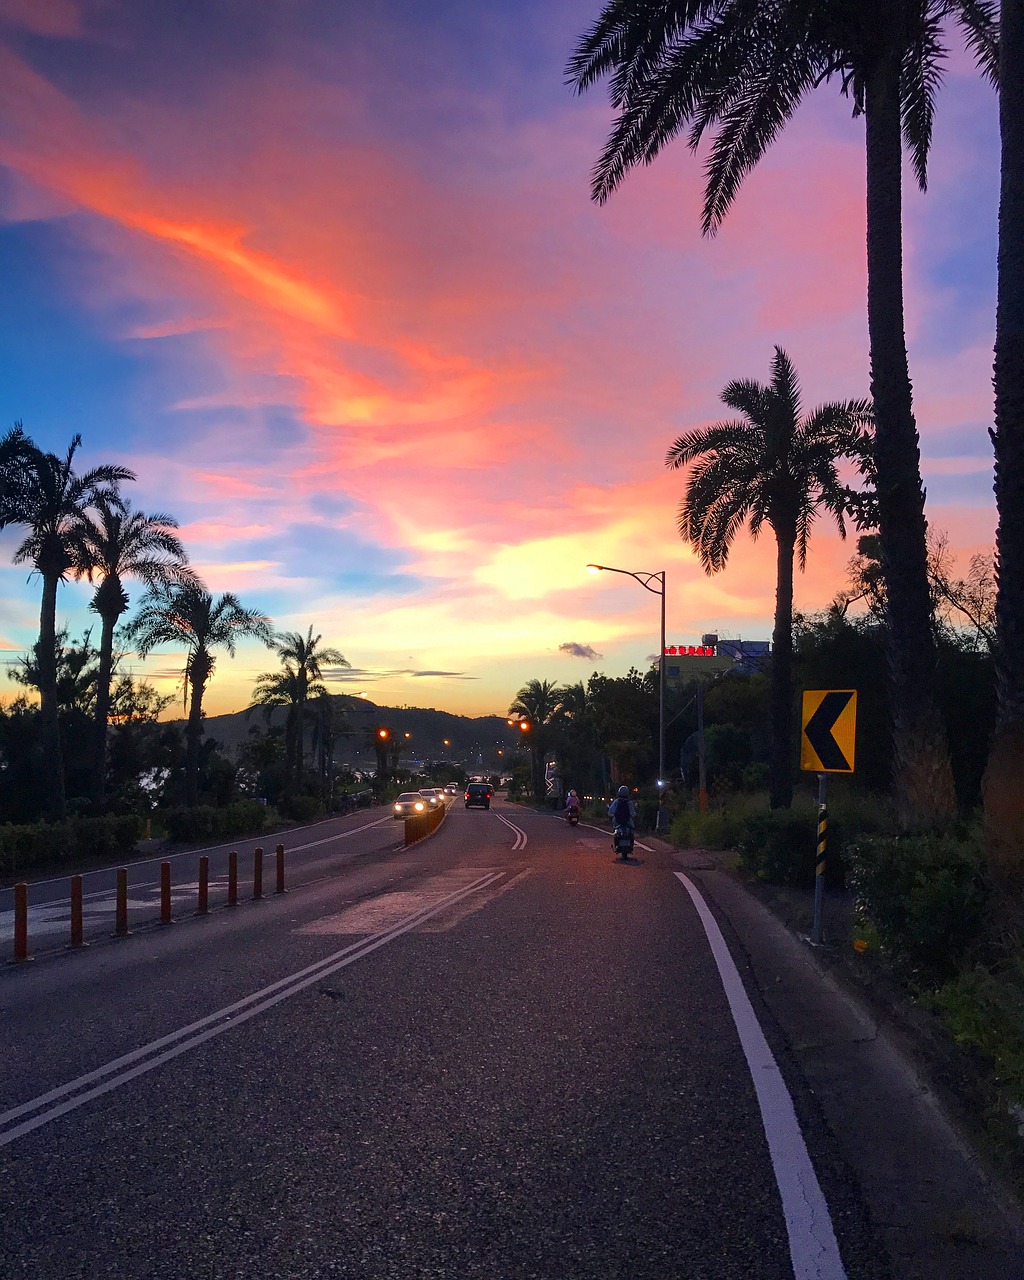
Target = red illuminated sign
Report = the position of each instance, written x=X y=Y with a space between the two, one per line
x=690 y=650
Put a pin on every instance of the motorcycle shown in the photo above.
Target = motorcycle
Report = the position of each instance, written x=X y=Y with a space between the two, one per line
x=622 y=841
x=572 y=816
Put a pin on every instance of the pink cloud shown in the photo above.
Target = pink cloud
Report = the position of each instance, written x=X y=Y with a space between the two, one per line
x=486 y=365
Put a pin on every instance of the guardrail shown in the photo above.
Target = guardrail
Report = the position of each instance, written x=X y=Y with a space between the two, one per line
x=121 y=921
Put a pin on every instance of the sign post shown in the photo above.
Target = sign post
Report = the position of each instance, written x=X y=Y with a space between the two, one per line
x=828 y=732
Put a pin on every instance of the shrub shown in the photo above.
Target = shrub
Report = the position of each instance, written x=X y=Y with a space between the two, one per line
x=246 y=818
x=39 y=844
x=108 y=837
x=984 y=1010
x=300 y=808
x=782 y=848
x=755 y=777
x=926 y=897
x=207 y=822
x=717 y=829
x=189 y=824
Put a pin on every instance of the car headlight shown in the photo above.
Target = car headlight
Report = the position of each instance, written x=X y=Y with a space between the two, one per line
x=398 y=808
x=418 y=806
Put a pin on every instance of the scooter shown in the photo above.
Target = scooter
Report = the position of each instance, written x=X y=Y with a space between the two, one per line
x=572 y=816
x=622 y=841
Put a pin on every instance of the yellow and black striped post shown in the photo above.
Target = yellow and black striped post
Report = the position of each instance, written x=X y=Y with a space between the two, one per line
x=819 y=866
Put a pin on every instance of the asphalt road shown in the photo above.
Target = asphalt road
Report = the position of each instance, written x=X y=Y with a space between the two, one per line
x=499 y=1053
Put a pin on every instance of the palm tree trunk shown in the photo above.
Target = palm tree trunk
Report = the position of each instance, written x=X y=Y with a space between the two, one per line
x=290 y=733
x=300 y=741
x=1004 y=813
x=781 y=770
x=194 y=731
x=923 y=778
x=103 y=704
x=49 y=717
x=537 y=769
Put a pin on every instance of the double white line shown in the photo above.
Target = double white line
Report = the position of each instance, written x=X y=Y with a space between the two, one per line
x=520 y=834
x=22 y=1119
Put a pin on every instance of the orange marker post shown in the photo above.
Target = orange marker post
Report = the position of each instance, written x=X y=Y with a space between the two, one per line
x=20 y=923
x=257 y=873
x=233 y=878
x=280 y=868
x=165 y=893
x=203 y=907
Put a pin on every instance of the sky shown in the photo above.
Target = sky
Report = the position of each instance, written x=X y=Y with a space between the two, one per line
x=325 y=274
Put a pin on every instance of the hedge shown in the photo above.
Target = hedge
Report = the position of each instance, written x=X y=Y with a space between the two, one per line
x=206 y=821
x=34 y=845
x=926 y=897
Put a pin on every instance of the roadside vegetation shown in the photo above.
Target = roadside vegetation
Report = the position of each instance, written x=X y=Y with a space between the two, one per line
x=938 y=873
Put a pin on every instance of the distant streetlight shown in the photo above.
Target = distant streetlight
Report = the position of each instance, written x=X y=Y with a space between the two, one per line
x=646 y=580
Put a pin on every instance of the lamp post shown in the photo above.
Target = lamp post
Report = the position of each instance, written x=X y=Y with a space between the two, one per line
x=655 y=583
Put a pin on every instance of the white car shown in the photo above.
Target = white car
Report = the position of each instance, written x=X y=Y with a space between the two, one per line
x=434 y=796
x=410 y=802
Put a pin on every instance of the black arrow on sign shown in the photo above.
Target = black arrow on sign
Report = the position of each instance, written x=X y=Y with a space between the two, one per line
x=818 y=730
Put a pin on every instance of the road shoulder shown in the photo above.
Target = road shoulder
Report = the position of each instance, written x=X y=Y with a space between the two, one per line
x=940 y=1212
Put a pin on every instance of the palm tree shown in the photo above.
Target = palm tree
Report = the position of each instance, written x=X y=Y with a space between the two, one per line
x=117 y=543
x=281 y=689
x=538 y=702
x=778 y=468
x=742 y=67
x=189 y=615
x=308 y=659
x=15 y=450
x=1004 y=814
x=53 y=502
x=299 y=680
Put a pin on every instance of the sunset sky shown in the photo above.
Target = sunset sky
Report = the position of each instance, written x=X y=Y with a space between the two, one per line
x=326 y=275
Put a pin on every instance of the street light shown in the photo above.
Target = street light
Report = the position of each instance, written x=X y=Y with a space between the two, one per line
x=647 y=580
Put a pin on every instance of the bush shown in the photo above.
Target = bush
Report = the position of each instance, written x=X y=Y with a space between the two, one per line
x=109 y=837
x=246 y=818
x=926 y=897
x=717 y=829
x=300 y=808
x=39 y=844
x=984 y=1010
x=207 y=822
x=782 y=848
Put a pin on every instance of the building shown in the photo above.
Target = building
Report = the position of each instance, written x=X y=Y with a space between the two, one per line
x=713 y=657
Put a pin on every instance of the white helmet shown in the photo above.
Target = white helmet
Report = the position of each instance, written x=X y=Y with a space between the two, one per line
x=624 y=791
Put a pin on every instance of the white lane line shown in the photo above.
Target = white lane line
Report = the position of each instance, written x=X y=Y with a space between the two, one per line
x=812 y=1241
x=194 y=853
x=215 y=1024
x=520 y=834
x=604 y=831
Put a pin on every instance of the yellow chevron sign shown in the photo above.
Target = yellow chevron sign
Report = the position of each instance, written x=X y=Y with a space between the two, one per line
x=828 y=730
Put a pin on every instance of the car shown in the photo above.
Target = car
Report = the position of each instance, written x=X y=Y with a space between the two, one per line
x=434 y=796
x=451 y=788
x=409 y=803
x=478 y=794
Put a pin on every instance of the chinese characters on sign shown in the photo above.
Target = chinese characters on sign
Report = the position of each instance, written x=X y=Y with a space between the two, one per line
x=690 y=650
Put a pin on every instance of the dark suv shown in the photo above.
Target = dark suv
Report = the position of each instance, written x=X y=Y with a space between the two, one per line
x=479 y=793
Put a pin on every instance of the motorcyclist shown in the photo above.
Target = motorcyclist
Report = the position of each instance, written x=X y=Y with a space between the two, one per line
x=622 y=810
x=572 y=804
